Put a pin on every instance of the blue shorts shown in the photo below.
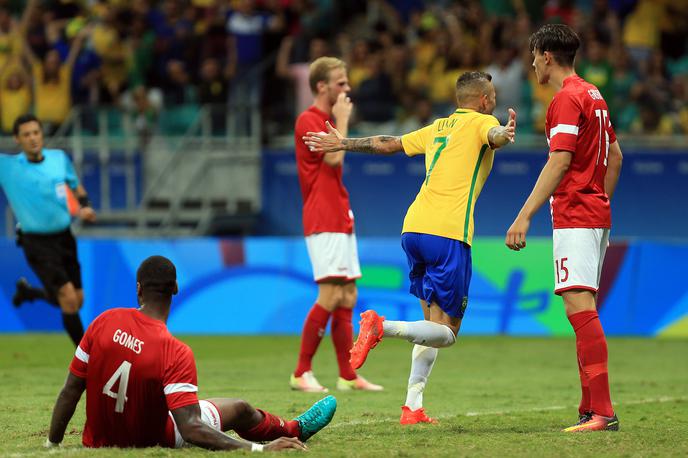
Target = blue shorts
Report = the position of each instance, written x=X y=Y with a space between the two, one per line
x=440 y=270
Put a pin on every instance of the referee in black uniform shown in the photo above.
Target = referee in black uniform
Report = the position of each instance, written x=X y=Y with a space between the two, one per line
x=37 y=183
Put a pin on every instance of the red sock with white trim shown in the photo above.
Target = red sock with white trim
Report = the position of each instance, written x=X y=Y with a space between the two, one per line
x=313 y=332
x=270 y=428
x=591 y=346
x=343 y=339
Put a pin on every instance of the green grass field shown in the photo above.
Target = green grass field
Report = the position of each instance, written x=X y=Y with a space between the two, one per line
x=494 y=396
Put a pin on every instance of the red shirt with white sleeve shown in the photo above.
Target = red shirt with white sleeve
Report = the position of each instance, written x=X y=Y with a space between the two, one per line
x=326 y=205
x=578 y=122
x=136 y=372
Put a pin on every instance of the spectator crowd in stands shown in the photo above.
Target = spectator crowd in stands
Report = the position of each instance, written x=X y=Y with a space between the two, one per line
x=404 y=56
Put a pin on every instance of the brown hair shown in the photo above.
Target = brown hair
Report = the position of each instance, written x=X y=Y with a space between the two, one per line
x=559 y=39
x=320 y=70
x=471 y=85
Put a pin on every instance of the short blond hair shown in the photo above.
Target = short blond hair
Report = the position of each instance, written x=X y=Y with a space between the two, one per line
x=320 y=70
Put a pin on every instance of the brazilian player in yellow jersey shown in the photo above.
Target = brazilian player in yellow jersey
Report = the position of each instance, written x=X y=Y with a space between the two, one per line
x=438 y=228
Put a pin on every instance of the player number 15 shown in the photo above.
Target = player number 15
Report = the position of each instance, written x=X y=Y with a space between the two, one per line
x=561 y=268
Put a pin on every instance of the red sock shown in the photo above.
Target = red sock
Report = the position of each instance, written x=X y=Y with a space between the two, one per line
x=313 y=332
x=592 y=354
x=343 y=338
x=584 y=405
x=270 y=428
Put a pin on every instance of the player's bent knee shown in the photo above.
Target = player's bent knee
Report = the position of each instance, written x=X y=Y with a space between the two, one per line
x=330 y=296
x=80 y=297
x=576 y=301
x=69 y=302
x=451 y=337
x=349 y=300
x=69 y=308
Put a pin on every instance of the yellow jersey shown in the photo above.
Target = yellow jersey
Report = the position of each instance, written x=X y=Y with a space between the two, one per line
x=12 y=105
x=53 y=99
x=458 y=160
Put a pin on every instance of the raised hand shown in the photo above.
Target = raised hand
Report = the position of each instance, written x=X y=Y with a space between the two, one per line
x=341 y=110
x=324 y=142
x=285 y=443
x=511 y=125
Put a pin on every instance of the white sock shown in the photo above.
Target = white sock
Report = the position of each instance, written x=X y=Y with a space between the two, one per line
x=420 y=332
x=422 y=360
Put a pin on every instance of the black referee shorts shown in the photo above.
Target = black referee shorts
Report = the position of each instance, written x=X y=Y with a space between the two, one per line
x=53 y=258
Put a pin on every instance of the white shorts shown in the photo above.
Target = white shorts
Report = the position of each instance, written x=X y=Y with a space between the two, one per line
x=578 y=258
x=210 y=415
x=334 y=255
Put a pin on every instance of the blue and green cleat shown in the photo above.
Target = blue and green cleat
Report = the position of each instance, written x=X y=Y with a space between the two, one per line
x=317 y=417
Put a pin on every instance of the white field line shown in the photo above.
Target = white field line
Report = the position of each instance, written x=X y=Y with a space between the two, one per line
x=660 y=399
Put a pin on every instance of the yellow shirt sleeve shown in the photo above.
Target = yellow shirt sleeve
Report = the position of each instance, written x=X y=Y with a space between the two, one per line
x=414 y=143
x=486 y=123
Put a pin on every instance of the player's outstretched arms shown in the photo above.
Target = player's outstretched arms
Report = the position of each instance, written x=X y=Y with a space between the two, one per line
x=501 y=135
x=64 y=408
x=332 y=141
x=613 y=169
x=194 y=431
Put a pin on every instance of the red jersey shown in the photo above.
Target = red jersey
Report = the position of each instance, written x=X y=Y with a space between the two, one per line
x=578 y=121
x=326 y=205
x=136 y=372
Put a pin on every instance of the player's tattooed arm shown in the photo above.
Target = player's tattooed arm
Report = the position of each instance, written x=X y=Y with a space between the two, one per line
x=333 y=140
x=380 y=144
x=64 y=408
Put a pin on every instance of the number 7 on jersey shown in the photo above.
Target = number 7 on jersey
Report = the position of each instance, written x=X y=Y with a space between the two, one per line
x=443 y=144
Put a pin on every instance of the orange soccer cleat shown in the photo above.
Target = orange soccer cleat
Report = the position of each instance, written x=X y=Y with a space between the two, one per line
x=369 y=336
x=412 y=417
x=594 y=422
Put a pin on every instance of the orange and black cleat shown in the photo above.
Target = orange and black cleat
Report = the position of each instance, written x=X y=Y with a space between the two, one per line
x=594 y=422
x=369 y=336
x=412 y=417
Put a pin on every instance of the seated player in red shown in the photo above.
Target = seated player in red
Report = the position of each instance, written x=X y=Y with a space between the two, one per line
x=141 y=385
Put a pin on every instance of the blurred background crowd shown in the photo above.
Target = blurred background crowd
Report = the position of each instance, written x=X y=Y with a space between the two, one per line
x=147 y=56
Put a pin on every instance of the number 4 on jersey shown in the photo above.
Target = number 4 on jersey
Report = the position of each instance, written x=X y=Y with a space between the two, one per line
x=121 y=374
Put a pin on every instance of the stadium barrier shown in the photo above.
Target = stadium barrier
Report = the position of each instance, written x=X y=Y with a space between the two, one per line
x=264 y=286
x=649 y=201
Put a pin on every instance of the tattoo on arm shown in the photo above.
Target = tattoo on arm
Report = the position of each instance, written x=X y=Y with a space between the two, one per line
x=381 y=144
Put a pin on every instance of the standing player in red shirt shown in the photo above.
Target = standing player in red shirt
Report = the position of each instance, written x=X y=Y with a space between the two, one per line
x=579 y=180
x=328 y=225
x=141 y=385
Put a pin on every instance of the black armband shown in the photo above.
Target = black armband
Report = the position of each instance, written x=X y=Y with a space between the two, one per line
x=84 y=201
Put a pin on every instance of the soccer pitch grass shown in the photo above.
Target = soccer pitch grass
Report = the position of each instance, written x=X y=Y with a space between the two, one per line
x=494 y=396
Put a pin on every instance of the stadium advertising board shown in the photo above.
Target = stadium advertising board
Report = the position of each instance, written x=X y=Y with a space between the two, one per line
x=264 y=286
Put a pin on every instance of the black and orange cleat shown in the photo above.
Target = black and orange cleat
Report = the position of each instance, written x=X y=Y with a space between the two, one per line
x=369 y=336
x=594 y=422
x=583 y=417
